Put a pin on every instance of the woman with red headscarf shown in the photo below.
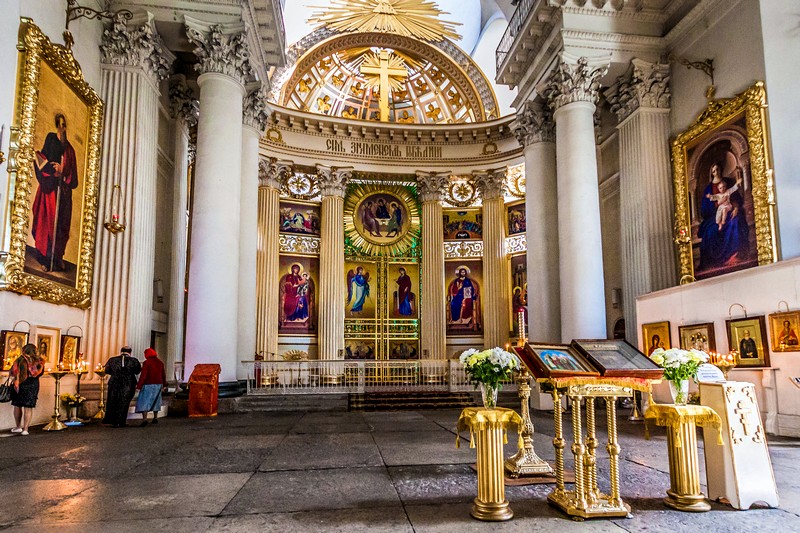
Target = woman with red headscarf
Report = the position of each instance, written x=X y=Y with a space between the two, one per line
x=152 y=381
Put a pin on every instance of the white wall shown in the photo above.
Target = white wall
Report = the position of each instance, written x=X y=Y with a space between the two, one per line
x=759 y=290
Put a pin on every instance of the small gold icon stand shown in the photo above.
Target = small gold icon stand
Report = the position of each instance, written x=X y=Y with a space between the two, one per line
x=55 y=424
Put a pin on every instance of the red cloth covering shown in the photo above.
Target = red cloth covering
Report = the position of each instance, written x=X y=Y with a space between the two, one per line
x=153 y=372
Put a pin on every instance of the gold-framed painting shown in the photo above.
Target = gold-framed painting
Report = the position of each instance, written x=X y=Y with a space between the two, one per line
x=465 y=224
x=360 y=279
x=297 y=295
x=784 y=328
x=69 y=353
x=55 y=168
x=381 y=219
x=724 y=201
x=48 y=342
x=515 y=218
x=403 y=349
x=299 y=217
x=360 y=349
x=519 y=292
x=656 y=335
x=464 y=290
x=698 y=337
x=11 y=343
x=748 y=336
x=402 y=290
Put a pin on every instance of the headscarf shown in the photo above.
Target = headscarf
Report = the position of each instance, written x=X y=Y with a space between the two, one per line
x=150 y=353
x=28 y=365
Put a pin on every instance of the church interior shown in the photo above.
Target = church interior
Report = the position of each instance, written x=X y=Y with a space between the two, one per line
x=316 y=213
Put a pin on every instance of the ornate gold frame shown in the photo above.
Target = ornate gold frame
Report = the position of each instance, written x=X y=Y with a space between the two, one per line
x=34 y=48
x=753 y=103
x=356 y=194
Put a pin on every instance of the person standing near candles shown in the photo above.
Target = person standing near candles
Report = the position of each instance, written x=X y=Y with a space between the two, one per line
x=152 y=382
x=25 y=372
x=123 y=370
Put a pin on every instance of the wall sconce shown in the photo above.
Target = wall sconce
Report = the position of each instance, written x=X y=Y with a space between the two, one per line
x=616 y=297
x=158 y=288
x=115 y=224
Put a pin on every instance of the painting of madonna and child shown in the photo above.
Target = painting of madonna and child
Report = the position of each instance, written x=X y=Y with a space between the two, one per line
x=464 y=284
x=721 y=201
x=297 y=310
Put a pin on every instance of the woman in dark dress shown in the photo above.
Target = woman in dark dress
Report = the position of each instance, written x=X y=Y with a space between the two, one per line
x=25 y=372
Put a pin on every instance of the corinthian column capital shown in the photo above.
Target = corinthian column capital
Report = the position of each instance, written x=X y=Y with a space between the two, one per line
x=645 y=85
x=534 y=124
x=333 y=180
x=183 y=104
x=575 y=80
x=491 y=183
x=136 y=46
x=256 y=111
x=221 y=49
x=272 y=172
x=432 y=185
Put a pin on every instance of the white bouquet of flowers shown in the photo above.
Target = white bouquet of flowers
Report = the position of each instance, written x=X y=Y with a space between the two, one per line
x=679 y=366
x=489 y=368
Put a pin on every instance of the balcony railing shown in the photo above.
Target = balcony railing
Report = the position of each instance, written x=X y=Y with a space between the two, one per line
x=320 y=377
x=517 y=22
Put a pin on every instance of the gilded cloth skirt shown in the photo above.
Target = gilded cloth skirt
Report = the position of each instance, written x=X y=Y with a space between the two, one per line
x=149 y=398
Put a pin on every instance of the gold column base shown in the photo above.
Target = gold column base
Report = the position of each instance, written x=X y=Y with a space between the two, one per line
x=526 y=463
x=693 y=503
x=54 y=425
x=99 y=415
x=491 y=512
x=603 y=507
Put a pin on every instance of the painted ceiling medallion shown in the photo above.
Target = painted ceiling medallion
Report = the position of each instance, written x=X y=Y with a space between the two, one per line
x=409 y=18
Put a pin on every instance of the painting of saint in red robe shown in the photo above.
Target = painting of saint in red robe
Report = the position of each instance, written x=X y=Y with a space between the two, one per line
x=296 y=302
x=56 y=172
x=402 y=293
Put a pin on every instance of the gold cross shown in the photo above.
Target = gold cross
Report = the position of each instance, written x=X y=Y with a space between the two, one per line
x=385 y=70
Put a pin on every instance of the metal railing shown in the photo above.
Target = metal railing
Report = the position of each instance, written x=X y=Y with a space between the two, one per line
x=517 y=22
x=321 y=377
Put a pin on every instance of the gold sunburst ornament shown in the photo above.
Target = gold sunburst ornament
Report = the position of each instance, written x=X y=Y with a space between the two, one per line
x=409 y=18
x=381 y=219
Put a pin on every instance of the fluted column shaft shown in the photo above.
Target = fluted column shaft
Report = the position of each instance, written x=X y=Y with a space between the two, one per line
x=331 y=274
x=433 y=334
x=248 y=243
x=267 y=265
x=495 y=273
x=212 y=323
x=122 y=297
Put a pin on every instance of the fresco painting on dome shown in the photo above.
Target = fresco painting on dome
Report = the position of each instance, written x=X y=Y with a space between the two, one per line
x=299 y=218
x=721 y=201
x=516 y=219
x=463 y=290
x=402 y=290
x=519 y=291
x=297 y=300
x=463 y=224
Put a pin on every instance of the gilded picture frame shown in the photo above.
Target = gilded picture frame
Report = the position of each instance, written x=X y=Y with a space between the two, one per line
x=741 y=121
x=698 y=336
x=785 y=331
x=48 y=343
x=40 y=59
x=11 y=344
x=381 y=219
x=748 y=336
x=656 y=335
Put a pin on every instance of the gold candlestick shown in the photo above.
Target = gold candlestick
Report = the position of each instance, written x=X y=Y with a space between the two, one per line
x=55 y=424
x=526 y=462
x=101 y=413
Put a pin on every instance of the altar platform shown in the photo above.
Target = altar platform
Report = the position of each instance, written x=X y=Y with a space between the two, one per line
x=395 y=471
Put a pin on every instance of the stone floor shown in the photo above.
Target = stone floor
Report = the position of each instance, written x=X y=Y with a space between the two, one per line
x=352 y=472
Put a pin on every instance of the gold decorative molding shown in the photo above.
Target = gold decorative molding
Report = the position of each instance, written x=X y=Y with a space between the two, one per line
x=463 y=249
x=462 y=191
x=515 y=181
x=298 y=244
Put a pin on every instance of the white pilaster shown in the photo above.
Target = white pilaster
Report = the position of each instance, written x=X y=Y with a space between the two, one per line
x=133 y=62
x=535 y=131
x=433 y=326
x=641 y=101
x=213 y=302
x=573 y=92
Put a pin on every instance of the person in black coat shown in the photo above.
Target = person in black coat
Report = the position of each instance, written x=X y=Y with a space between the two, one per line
x=123 y=370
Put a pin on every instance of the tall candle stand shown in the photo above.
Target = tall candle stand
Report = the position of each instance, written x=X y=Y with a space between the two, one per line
x=525 y=462
x=55 y=424
x=100 y=372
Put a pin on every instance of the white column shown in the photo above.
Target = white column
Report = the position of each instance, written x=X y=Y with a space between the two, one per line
x=433 y=326
x=255 y=117
x=496 y=291
x=133 y=63
x=535 y=131
x=213 y=303
x=333 y=182
x=573 y=90
x=267 y=260
x=184 y=110
x=641 y=102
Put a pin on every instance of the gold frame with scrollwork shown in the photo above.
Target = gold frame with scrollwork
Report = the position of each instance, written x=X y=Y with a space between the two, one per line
x=35 y=48
x=752 y=103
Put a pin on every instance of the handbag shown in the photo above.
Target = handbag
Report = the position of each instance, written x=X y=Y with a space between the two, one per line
x=5 y=391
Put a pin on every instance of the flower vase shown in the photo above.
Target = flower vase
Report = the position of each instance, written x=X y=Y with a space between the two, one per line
x=489 y=395
x=679 y=391
x=72 y=412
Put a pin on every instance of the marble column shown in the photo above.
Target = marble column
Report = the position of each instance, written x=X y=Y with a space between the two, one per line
x=641 y=101
x=332 y=185
x=213 y=304
x=433 y=315
x=535 y=130
x=496 y=292
x=270 y=175
x=184 y=109
x=254 y=124
x=572 y=91
x=133 y=62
